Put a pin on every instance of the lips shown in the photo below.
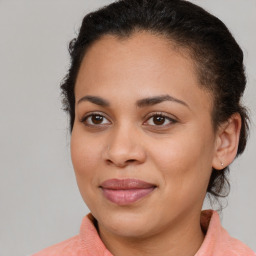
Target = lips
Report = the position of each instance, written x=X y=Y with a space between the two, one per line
x=126 y=191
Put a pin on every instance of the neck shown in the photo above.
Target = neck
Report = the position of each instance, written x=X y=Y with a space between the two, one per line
x=182 y=239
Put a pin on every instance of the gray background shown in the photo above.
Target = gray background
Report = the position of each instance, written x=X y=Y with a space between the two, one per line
x=39 y=201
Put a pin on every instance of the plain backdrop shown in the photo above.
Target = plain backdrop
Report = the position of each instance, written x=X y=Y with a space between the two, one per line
x=39 y=201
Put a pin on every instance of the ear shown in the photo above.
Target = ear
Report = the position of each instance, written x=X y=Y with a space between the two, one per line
x=227 y=140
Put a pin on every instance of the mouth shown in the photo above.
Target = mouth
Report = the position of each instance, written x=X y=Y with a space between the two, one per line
x=126 y=191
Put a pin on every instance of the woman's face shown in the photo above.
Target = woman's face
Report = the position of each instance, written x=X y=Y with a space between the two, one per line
x=142 y=144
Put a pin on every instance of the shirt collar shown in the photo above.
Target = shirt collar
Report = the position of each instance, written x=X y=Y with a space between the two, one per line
x=215 y=242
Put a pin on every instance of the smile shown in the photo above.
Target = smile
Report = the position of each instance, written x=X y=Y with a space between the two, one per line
x=126 y=191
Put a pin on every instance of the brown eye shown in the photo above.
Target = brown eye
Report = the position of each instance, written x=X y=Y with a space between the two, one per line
x=158 y=120
x=97 y=119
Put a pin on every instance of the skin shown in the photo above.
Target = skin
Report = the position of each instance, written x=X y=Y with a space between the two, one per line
x=177 y=156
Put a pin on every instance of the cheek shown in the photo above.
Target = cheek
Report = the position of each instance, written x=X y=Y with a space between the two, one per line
x=84 y=155
x=183 y=162
x=85 y=158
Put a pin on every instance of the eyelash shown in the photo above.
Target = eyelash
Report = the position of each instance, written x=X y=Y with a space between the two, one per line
x=152 y=115
x=86 y=117
x=162 y=115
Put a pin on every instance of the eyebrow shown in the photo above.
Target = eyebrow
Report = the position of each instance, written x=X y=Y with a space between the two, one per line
x=150 y=101
x=158 y=99
x=95 y=100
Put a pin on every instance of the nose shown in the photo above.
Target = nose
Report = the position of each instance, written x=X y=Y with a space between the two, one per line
x=124 y=147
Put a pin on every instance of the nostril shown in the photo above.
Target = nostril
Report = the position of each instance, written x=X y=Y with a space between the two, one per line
x=130 y=161
x=109 y=161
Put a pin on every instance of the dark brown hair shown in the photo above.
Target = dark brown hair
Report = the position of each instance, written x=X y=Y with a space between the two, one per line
x=217 y=56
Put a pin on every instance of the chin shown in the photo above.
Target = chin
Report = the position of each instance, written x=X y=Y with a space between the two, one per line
x=126 y=223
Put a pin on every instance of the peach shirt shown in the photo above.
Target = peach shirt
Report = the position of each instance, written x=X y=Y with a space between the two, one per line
x=217 y=241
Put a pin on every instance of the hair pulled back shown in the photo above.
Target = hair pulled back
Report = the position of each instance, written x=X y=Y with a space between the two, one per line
x=217 y=56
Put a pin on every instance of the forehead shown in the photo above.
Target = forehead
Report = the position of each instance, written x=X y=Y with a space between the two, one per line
x=143 y=63
x=140 y=48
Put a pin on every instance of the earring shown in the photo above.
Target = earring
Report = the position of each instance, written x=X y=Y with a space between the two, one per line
x=221 y=164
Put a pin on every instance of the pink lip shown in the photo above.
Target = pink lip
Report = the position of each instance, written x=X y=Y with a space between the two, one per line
x=126 y=191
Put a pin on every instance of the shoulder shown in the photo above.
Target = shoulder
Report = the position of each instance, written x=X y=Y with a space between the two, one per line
x=86 y=243
x=69 y=247
x=233 y=246
x=217 y=240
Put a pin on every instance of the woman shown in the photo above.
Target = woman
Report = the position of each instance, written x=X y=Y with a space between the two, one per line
x=153 y=94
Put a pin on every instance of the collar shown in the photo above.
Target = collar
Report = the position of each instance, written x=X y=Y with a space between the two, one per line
x=217 y=241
